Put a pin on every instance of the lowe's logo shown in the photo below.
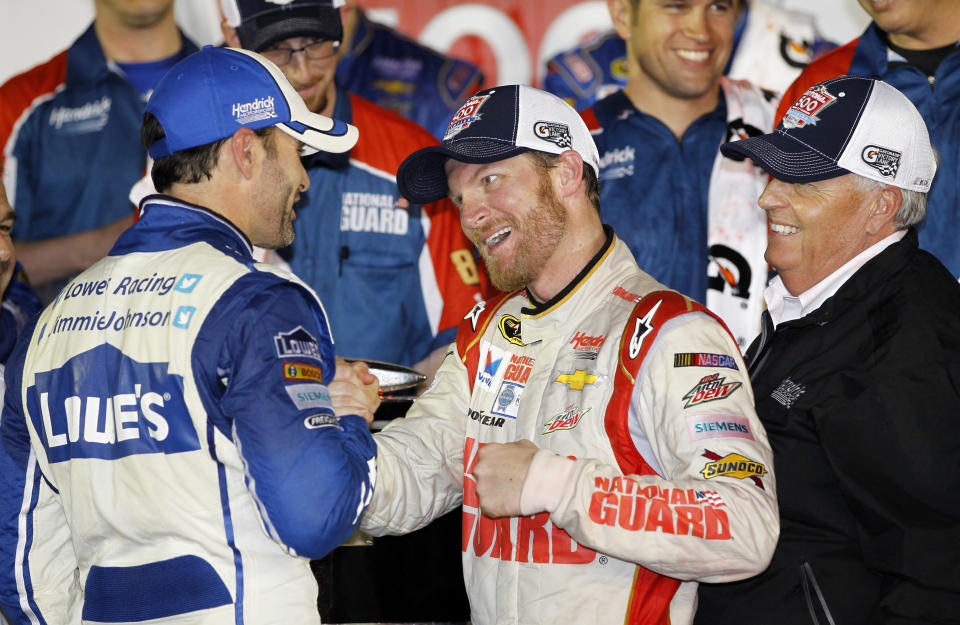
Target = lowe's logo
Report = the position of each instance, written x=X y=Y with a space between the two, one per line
x=297 y=342
x=137 y=409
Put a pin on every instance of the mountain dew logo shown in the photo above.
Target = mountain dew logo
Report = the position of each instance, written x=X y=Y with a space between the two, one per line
x=710 y=388
x=565 y=420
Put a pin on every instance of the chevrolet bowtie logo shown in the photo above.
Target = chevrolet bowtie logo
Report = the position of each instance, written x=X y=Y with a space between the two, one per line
x=577 y=380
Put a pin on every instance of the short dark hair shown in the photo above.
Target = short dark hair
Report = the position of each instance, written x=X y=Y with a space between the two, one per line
x=546 y=161
x=186 y=166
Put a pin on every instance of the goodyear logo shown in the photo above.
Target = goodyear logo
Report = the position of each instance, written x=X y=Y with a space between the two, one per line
x=302 y=371
x=733 y=465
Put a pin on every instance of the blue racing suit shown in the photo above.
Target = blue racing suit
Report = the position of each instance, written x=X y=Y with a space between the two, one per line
x=771 y=44
x=653 y=188
x=689 y=215
x=406 y=77
x=170 y=450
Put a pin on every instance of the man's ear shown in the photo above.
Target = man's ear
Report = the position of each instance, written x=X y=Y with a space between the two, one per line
x=885 y=209
x=569 y=172
x=242 y=151
x=620 y=14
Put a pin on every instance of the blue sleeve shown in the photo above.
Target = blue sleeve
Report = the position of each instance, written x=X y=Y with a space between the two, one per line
x=310 y=472
x=14 y=454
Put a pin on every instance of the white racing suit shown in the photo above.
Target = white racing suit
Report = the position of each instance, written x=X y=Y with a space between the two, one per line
x=649 y=392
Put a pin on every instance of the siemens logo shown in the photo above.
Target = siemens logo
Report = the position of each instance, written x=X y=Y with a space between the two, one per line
x=702 y=426
x=80 y=412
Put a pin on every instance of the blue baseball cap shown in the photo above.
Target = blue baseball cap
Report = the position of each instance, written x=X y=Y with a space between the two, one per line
x=212 y=93
x=849 y=124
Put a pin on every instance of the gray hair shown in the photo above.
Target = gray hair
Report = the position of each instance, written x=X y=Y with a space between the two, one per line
x=913 y=206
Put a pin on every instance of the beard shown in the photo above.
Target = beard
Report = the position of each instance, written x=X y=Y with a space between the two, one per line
x=280 y=194
x=540 y=232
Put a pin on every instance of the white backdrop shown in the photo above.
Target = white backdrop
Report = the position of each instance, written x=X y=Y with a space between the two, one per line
x=31 y=31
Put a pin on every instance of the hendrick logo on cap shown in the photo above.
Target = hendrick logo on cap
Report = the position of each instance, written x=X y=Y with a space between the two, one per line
x=884 y=160
x=249 y=112
x=466 y=115
x=804 y=111
x=554 y=133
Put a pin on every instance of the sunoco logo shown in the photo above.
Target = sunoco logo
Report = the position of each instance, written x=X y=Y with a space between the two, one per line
x=732 y=465
x=249 y=112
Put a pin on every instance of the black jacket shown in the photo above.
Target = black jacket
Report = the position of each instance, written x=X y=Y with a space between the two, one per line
x=861 y=402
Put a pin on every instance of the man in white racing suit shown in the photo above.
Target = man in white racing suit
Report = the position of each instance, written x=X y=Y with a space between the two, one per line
x=597 y=428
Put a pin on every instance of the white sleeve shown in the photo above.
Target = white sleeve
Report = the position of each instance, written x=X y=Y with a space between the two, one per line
x=709 y=510
x=420 y=456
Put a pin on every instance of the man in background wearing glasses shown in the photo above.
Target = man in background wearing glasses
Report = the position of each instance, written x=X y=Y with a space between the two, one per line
x=394 y=279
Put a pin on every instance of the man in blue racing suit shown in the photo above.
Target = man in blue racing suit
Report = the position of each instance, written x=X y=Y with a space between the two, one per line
x=771 y=45
x=175 y=442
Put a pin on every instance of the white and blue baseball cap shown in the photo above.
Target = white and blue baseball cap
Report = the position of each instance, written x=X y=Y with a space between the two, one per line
x=844 y=125
x=212 y=93
x=493 y=125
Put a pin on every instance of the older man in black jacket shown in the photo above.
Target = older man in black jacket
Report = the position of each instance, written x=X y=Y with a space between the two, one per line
x=856 y=373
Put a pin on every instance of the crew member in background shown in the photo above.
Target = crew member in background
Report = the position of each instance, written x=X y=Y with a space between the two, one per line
x=399 y=74
x=684 y=210
x=912 y=45
x=771 y=44
x=585 y=357
x=856 y=373
x=175 y=440
x=68 y=133
x=394 y=279
x=19 y=301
